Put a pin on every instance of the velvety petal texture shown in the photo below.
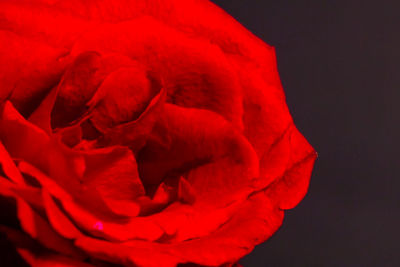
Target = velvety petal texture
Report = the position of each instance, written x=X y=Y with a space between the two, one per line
x=141 y=133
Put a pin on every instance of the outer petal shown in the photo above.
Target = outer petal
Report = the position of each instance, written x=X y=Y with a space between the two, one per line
x=34 y=254
x=41 y=22
x=28 y=69
x=291 y=187
x=57 y=218
x=254 y=222
x=8 y=166
x=50 y=260
x=37 y=226
x=26 y=141
x=29 y=194
x=232 y=241
x=103 y=227
x=39 y=229
x=196 y=73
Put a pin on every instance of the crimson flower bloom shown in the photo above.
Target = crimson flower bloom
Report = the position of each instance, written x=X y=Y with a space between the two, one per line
x=141 y=133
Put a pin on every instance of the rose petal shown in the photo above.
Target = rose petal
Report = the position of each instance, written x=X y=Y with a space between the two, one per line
x=41 y=22
x=292 y=186
x=186 y=192
x=37 y=227
x=195 y=72
x=219 y=162
x=163 y=196
x=29 y=194
x=21 y=138
x=113 y=173
x=9 y=167
x=122 y=230
x=57 y=218
x=232 y=241
x=41 y=115
x=33 y=253
x=266 y=115
x=137 y=132
x=122 y=97
x=265 y=111
x=71 y=136
x=183 y=222
x=26 y=75
x=78 y=85
x=50 y=260
x=19 y=238
x=274 y=161
x=5 y=188
x=27 y=141
x=139 y=254
x=253 y=222
x=81 y=82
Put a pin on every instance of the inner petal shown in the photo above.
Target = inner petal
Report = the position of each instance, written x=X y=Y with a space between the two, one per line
x=113 y=173
x=122 y=97
x=216 y=158
x=81 y=82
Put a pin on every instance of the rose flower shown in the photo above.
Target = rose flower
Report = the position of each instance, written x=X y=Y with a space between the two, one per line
x=141 y=133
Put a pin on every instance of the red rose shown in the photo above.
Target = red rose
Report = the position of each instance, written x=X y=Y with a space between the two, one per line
x=142 y=133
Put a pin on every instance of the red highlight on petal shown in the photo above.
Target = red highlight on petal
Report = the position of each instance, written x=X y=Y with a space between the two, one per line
x=98 y=226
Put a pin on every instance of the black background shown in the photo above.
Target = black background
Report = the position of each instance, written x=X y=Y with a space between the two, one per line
x=338 y=62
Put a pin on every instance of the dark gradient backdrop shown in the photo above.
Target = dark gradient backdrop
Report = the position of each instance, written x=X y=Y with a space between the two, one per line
x=339 y=65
